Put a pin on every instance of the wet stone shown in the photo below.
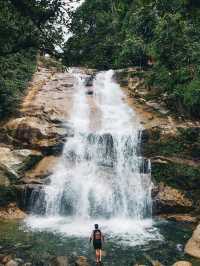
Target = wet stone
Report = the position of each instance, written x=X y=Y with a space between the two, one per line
x=81 y=261
x=12 y=263
x=59 y=261
x=182 y=263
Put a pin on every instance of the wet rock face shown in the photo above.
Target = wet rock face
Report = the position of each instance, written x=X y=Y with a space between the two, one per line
x=170 y=200
x=175 y=165
x=14 y=162
x=193 y=245
x=42 y=170
x=37 y=134
x=31 y=142
x=59 y=261
x=88 y=82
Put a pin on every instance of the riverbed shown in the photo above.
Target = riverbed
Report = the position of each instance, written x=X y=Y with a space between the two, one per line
x=39 y=246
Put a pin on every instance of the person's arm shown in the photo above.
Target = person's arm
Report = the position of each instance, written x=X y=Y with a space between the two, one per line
x=91 y=237
x=102 y=238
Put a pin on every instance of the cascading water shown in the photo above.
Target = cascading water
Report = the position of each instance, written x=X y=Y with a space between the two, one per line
x=100 y=177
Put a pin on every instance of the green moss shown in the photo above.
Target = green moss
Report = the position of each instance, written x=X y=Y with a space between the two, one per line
x=16 y=71
x=185 y=144
x=180 y=176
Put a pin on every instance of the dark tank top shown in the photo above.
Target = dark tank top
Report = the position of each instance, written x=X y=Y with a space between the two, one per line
x=97 y=235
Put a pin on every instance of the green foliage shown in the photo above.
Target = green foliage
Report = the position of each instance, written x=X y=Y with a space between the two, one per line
x=180 y=176
x=52 y=64
x=118 y=34
x=16 y=70
x=25 y=27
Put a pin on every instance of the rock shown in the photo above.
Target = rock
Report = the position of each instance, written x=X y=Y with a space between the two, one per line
x=81 y=261
x=60 y=261
x=43 y=169
x=36 y=133
x=12 y=162
x=182 y=263
x=12 y=263
x=67 y=85
x=169 y=200
x=151 y=261
x=156 y=263
x=193 y=245
x=180 y=175
x=6 y=259
x=158 y=107
x=88 y=82
x=19 y=260
x=90 y=92
x=186 y=218
x=7 y=175
x=11 y=212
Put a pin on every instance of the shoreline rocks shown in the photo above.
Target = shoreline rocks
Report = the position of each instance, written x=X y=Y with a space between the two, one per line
x=11 y=211
x=182 y=263
x=192 y=247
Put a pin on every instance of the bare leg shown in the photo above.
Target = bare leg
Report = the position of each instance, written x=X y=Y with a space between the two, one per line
x=97 y=255
x=100 y=255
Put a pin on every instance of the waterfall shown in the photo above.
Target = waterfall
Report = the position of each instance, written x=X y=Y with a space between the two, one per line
x=101 y=174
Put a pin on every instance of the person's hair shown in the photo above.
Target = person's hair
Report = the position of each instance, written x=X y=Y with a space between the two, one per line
x=96 y=226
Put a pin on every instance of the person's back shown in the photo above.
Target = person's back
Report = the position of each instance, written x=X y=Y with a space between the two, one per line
x=97 y=238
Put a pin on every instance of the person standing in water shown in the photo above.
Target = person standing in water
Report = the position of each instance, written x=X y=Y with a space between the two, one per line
x=97 y=238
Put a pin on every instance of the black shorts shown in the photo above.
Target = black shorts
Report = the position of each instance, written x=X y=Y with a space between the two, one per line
x=97 y=244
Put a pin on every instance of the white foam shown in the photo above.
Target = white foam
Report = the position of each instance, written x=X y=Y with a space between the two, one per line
x=122 y=231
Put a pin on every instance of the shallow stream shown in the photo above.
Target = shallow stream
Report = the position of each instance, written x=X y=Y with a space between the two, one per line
x=39 y=246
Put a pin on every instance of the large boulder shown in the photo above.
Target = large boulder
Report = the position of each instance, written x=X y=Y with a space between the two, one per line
x=193 y=245
x=36 y=133
x=14 y=162
x=43 y=169
x=11 y=211
x=170 y=200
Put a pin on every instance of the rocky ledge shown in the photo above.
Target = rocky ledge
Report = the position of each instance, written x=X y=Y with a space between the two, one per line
x=172 y=142
x=32 y=141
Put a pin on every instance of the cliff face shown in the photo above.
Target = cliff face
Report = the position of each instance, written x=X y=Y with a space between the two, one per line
x=172 y=142
x=31 y=142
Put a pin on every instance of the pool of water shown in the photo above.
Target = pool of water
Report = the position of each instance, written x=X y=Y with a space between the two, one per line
x=39 y=245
